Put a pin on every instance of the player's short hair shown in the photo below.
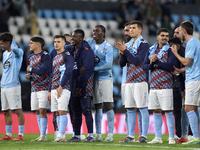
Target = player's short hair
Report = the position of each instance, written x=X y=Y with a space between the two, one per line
x=6 y=37
x=175 y=40
x=81 y=32
x=39 y=40
x=162 y=30
x=126 y=24
x=60 y=36
x=66 y=34
x=139 y=23
x=188 y=26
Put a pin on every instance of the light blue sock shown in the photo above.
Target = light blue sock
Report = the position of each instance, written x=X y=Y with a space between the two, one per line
x=197 y=113
x=131 y=118
x=157 y=124
x=38 y=120
x=43 y=126
x=170 y=124
x=110 y=119
x=184 y=122
x=193 y=123
x=58 y=122
x=21 y=128
x=139 y=123
x=126 y=122
x=8 y=128
x=145 y=121
x=63 y=124
x=90 y=134
x=98 y=118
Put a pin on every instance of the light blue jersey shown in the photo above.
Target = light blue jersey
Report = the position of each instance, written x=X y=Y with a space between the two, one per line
x=11 y=66
x=104 y=51
x=193 y=51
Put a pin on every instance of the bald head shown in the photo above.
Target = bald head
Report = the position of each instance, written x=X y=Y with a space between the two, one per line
x=177 y=32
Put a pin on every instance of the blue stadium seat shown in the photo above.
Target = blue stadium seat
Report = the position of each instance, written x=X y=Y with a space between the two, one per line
x=198 y=27
x=39 y=13
x=185 y=17
x=195 y=19
x=108 y=15
x=88 y=15
x=58 y=14
x=78 y=14
x=98 y=15
x=68 y=14
x=175 y=18
x=48 y=13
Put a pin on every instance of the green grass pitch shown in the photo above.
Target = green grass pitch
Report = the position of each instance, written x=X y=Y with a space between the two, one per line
x=48 y=145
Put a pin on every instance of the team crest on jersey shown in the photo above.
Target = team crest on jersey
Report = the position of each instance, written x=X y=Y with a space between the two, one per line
x=86 y=48
x=6 y=64
x=45 y=53
x=67 y=53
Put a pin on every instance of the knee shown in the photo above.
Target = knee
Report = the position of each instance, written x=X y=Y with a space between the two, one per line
x=157 y=111
x=108 y=106
x=98 y=106
x=18 y=112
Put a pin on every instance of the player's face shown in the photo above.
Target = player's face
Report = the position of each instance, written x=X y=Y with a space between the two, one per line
x=76 y=39
x=177 y=32
x=182 y=36
x=127 y=32
x=33 y=45
x=98 y=34
x=59 y=43
x=163 y=38
x=4 y=45
x=135 y=31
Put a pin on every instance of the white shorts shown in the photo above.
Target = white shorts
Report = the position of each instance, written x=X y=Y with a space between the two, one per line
x=123 y=85
x=62 y=102
x=11 y=98
x=161 y=99
x=39 y=100
x=136 y=95
x=192 y=93
x=103 y=91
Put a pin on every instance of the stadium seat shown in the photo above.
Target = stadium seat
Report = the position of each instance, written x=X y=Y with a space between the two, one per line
x=92 y=23
x=20 y=21
x=48 y=13
x=172 y=25
x=17 y=38
x=68 y=14
x=104 y=23
x=39 y=13
x=198 y=28
x=72 y=23
x=88 y=34
x=196 y=35
x=88 y=15
x=111 y=40
x=62 y=23
x=52 y=22
x=45 y=31
x=175 y=18
x=55 y=31
x=13 y=29
x=26 y=38
x=41 y=22
x=66 y=31
x=113 y=25
x=108 y=15
x=98 y=15
x=58 y=14
x=83 y=24
x=195 y=19
x=78 y=15
x=48 y=40
x=11 y=21
x=185 y=17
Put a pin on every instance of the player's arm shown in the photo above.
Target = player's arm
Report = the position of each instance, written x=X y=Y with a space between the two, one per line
x=18 y=51
x=139 y=58
x=169 y=66
x=44 y=67
x=109 y=61
x=146 y=64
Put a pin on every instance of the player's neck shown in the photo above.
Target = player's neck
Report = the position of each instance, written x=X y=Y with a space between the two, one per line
x=9 y=49
x=99 y=41
x=187 y=38
x=60 y=50
x=135 y=38
x=37 y=51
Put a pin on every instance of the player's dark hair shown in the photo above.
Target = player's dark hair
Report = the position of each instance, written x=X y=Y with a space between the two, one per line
x=103 y=29
x=126 y=24
x=188 y=26
x=162 y=30
x=66 y=34
x=60 y=36
x=139 y=23
x=6 y=37
x=81 y=32
x=39 y=40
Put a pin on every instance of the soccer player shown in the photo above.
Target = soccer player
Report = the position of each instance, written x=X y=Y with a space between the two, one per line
x=192 y=82
x=160 y=60
x=10 y=85
x=136 y=89
x=103 y=89
x=59 y=95
x=38 y=71
x=82 y=84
